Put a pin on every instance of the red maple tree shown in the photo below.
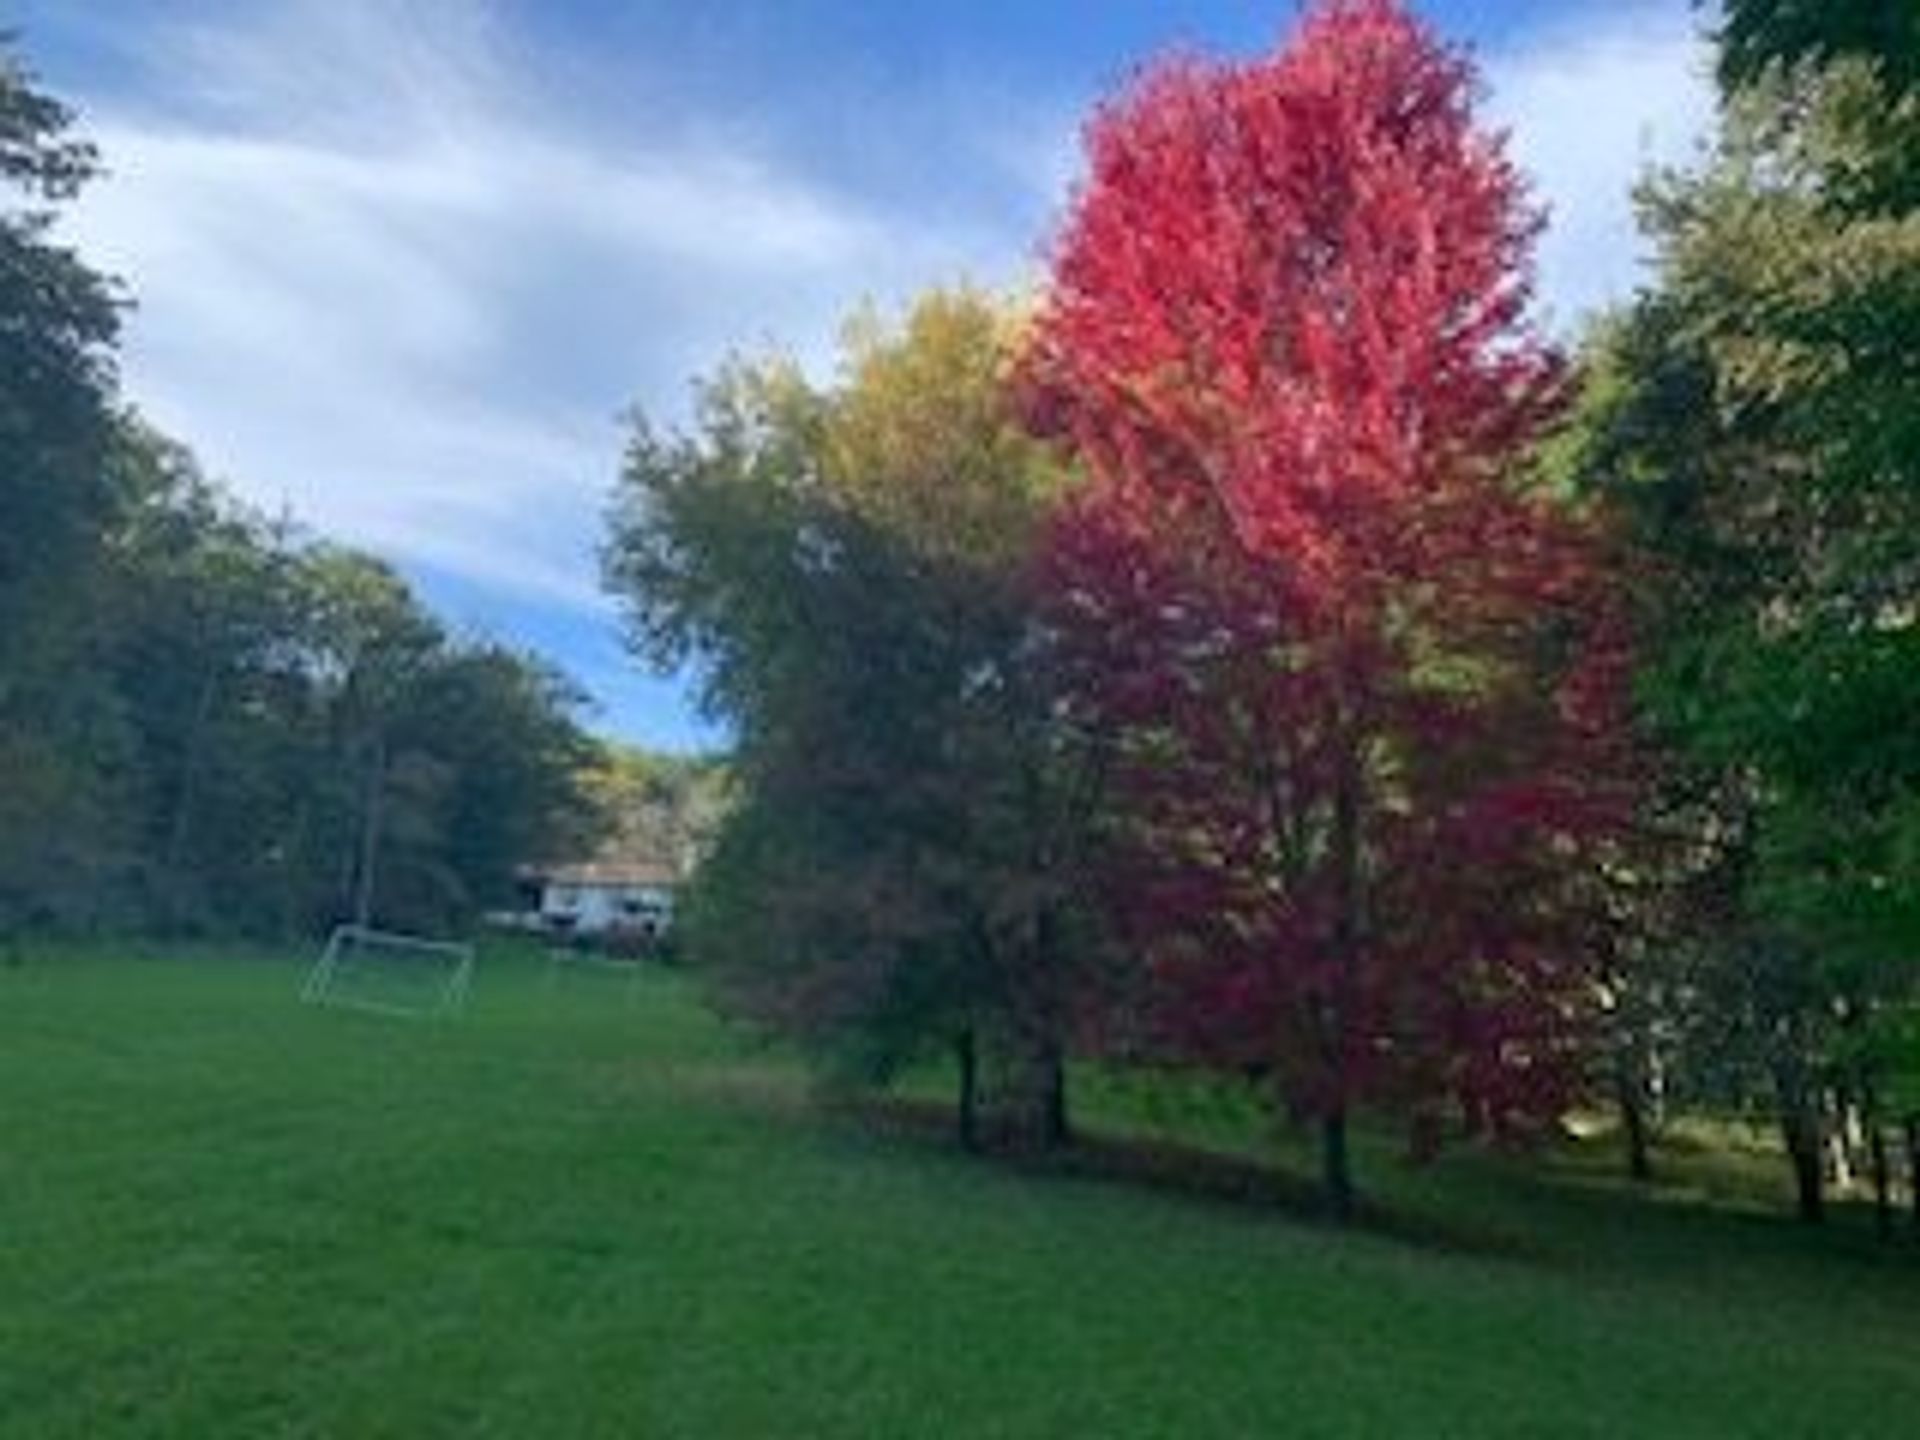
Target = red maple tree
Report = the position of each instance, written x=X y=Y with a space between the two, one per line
x=1364 y=687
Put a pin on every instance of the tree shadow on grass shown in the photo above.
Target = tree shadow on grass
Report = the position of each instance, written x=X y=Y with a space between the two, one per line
x=1184 y=1171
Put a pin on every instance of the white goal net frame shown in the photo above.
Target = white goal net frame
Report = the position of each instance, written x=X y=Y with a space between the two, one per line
x=428 y=978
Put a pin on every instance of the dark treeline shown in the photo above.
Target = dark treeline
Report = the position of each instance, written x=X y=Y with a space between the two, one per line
x=1267 y=655
x=210 y=722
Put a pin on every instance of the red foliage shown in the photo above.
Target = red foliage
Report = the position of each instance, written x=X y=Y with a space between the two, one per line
x=1366 y=693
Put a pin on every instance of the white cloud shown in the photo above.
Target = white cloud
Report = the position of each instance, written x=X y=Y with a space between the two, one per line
x=1590 y=106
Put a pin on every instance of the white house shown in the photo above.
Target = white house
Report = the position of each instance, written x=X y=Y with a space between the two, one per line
x=609 y=899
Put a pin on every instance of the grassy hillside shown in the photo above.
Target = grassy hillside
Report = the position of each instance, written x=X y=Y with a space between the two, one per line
x=579 y=1211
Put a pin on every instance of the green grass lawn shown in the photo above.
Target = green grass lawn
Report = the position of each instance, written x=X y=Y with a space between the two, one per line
x=579 y=1211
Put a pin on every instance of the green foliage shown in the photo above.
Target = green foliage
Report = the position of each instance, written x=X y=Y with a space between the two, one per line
x=500 y=729
x=920 y=443
x=58 y=323
x=847 y=566
x=1755 y=420
x=657 y=806
x=61 y=320
x=1757 y=35
x=263 y=732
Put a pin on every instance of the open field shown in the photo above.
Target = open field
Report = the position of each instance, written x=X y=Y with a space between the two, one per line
x=579 y=1212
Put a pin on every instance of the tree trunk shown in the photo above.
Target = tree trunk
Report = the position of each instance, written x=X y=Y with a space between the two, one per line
x=1913 y=1167
x=1801 y=1131
x=1633 y=1122
x=1336 y=1170
x=967 y=1110
x=1846 y=1140
x=1656 y=1091
x=1800 y=1128
x=180 y=823
x=1882 y=1181
x=1054 y=1130
x=1808 y=1184
x=1336 y=1164
x=367 y=869
x=293 y=882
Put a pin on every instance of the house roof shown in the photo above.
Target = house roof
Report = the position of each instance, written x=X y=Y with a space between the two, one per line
x=608 y=874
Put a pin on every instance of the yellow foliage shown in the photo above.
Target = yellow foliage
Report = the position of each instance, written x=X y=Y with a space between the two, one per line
x=922 y=441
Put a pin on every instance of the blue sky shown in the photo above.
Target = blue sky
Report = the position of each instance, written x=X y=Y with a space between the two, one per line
x=402 y=265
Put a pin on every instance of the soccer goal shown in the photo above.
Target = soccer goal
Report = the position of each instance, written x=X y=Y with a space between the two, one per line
x=377 y=970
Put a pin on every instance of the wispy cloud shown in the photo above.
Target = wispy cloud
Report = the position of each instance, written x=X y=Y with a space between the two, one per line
x=389 y=287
